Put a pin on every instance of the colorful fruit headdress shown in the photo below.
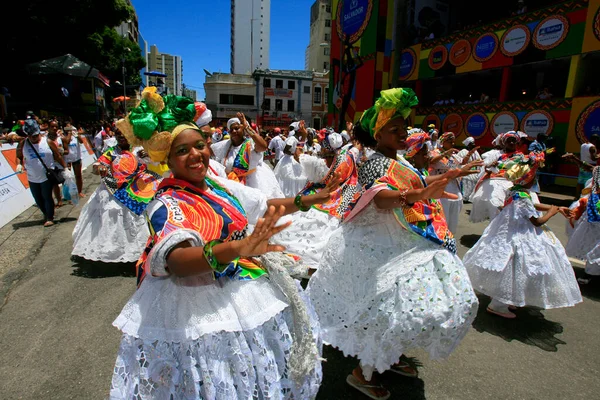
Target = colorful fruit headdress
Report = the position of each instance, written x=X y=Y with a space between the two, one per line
x=393 y=103
x=521 y=169
x=157 y=120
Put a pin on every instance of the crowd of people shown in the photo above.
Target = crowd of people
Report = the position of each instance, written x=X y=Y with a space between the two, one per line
x=225 y=222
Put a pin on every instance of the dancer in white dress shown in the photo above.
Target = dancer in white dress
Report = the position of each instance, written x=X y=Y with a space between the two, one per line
x=492 y=188
x=470 y=154
x=243 y=158
x=390 y=280
x=518 y=261
x=310 y=231
x=209 y=320
x=111 y=227
x=443 y=160
x=584 y=242
x=288 y=171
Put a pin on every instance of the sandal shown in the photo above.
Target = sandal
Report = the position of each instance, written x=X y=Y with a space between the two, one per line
x=48 y=223
x=507 y=315
x=81 y=195
x=405 y=369
x=366 y=388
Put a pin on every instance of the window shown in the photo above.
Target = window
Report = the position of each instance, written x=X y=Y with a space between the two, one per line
x=278 y=105
x=290 y=105
x=326 y=94
x=279 y=83
x=236 y=99
x=317 y=95
x=316 y=123
x=327 y=37
x=328 y=8
x=307 y=89
x=326 y=66
x=326 y=51
x=266 y=104
x=327 y=23
x=292 y=85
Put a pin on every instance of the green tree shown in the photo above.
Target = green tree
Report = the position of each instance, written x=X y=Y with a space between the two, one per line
x=35 y=30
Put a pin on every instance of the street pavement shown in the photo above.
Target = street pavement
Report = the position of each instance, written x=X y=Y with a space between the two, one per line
x=57 y=341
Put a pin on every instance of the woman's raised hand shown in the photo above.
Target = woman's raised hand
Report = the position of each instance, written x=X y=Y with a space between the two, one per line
x=258 y=242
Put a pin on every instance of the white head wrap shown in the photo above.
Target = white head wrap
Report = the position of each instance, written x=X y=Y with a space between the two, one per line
x=496 y=142
x=291 y=141
x=345 y=136
x=231 y=122
x=204 y=119
x=335 y=140
x=468 y=141
x=217 y=137
x=296 y=125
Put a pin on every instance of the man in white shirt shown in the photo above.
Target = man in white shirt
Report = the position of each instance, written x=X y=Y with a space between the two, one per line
x=277 y=144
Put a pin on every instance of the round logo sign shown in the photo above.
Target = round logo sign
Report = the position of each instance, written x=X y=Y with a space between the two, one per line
x=485 y=47
x=408 y=62
x=438 y=57
x=460 y=52
x=550 y=32
x=431 y=119
x=352 y=19
x=537 y=122
x=503 y=122
x=453 y=123
x=588 y=123
x=515 y=40
x=476 y=124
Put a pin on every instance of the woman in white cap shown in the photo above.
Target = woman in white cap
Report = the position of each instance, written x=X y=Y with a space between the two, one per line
x=242 y=155
x=288 y=171
x=467 y=155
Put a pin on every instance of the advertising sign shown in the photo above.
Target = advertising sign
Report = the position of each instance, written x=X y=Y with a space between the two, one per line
x=537 y=122
x=453 y=123
x=352 y=18
x=408 y=62
x=460 y=52
x=515 y=40
x=476 y=125
x=550 y=32
x=588 y=122
x=485 y=47
x=438 y=57
x=431 y=119
x=503 y=122
x=278 y=92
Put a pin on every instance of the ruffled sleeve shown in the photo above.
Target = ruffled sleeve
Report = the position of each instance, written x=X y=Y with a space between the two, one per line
x=169 y=227
x=525 y=208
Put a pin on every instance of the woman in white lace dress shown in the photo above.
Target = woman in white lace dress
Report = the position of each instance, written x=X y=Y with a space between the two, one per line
x=390 y=280
x=209 y=320
x=518 y=261
x=111 y=226
x=242 y=155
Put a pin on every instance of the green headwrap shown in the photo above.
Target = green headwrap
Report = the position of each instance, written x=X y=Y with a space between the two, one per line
x=393 y=103
x=145 y=121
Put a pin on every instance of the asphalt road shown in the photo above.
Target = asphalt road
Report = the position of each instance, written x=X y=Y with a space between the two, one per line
x=57 y=341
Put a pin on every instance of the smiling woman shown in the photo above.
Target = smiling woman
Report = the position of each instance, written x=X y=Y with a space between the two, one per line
x=210 y=319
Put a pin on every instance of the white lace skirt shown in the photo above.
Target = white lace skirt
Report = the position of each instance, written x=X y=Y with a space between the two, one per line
x=584 y=238
x=108 y=231
x=198 y=338
x=381 y=291
x=488 y=199
x=592 y=265
x=468 y=185
x=551 y=285
x=452 y=209
x=308 y=235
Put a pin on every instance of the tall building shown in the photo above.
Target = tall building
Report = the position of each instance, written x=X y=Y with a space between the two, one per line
x=189 y=92
x=170 y=65
x=228 y=94
x=250 y=35
x=144 y=47
x=319 y=47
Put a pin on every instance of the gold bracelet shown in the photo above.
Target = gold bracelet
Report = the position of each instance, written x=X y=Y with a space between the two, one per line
x=402 y=197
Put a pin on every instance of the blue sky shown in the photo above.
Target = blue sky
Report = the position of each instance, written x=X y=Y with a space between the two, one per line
x=199 y=32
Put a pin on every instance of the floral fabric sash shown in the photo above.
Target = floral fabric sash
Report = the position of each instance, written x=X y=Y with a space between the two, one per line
x=129 y=180
x=424 y=218
x=215 y=214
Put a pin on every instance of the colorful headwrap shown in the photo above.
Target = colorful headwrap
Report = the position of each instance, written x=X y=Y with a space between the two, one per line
x=415 y=142
x=447 y=136
x=521 y=169
x=508 y=135
x=156 y=122
x=393 y=103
